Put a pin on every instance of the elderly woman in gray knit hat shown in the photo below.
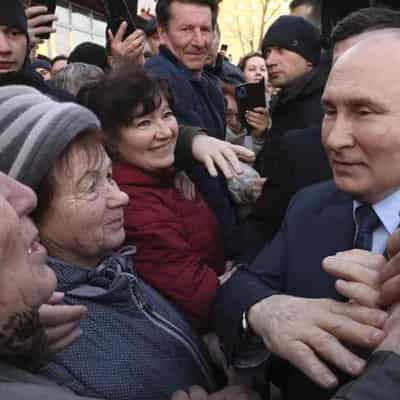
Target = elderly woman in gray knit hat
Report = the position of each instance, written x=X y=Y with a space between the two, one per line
x=134 y=344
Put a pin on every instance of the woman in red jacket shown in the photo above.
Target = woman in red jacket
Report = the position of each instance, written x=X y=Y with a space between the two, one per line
x=178 y=241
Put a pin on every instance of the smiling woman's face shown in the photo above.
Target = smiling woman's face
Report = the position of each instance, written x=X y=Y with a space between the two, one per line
x=85 y=216
x=149 y=141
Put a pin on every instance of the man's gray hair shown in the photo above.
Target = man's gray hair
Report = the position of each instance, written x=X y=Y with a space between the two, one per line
x=75 y=75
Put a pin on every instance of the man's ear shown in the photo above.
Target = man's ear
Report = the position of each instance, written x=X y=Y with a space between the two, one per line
x=162 y=33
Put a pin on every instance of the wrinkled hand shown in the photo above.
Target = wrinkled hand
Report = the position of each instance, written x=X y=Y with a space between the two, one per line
x=307 y=332
x=184 y=184
x=392 y=330
x=258 y=119
x=61 y=322
x=228 y=393
x=131 y=48
x=358 y=273
x=255 y=188
x=215 y=153
x=389 y=274
x=37 y=20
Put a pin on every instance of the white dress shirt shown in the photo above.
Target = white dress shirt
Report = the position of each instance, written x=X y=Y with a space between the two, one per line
x=388 y=211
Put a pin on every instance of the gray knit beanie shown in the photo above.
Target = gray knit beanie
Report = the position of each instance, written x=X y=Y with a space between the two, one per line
x=34 y=130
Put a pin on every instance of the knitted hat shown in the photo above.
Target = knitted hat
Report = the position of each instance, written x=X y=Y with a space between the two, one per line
x=41 y=64
x=89 y=53
x=12 y=14
x=294 y=34
x=34 y=130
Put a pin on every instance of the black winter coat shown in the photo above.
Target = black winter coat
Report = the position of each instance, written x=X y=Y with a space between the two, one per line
x=292 y=157
x=297 y=107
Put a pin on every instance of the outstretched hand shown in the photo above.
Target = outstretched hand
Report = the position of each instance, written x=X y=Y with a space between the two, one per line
x=310 y=333
x=215 y=153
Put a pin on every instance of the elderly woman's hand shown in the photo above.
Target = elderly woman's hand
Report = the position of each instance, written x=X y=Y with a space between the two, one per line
x=130 y=48
x=61 y=322
x=215 y=153
x=258 y=119
x=37 y=23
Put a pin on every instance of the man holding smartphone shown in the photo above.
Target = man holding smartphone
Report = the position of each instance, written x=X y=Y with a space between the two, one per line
x=15 y=33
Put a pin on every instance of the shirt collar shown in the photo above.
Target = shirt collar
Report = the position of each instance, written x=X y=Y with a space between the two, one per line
x=387 y=210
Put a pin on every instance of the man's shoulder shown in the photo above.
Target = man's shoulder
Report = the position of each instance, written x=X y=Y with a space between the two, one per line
x=315 y=197
x=160 y=65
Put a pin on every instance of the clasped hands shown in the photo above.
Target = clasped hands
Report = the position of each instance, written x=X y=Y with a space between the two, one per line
x=312 y=333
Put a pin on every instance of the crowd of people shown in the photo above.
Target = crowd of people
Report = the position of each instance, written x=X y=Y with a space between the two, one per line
x=158 y=241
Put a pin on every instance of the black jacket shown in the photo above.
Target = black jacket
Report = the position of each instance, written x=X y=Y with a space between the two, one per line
x=380 y=380
x=302 y=162
x=297 y=107
x=29 y=77
x=290 y=160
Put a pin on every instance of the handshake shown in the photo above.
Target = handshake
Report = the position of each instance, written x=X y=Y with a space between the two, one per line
x=314 y=333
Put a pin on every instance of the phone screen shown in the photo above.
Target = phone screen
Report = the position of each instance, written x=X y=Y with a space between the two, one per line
x=117 y=11
x=249 y=96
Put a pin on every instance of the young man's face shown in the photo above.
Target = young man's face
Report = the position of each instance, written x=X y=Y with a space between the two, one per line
x=13 y=47
x=285 y=66
x=189 y=34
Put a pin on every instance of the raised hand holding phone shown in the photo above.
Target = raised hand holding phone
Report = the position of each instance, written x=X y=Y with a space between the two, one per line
x=40 y=16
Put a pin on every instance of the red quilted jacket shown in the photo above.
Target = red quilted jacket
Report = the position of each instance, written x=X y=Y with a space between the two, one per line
x=179 y=245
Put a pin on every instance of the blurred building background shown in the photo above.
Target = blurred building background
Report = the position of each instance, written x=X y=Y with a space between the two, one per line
x=242 y=22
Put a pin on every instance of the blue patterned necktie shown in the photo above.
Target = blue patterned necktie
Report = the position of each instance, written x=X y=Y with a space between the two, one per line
x=366 y=223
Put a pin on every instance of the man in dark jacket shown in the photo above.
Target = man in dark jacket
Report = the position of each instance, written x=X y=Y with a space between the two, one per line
x=186 y=30
x=292 y=50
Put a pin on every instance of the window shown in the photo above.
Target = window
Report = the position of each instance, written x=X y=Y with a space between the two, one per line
x=75 y=25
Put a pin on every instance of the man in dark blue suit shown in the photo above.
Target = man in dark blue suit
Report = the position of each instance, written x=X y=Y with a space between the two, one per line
x=285 y=300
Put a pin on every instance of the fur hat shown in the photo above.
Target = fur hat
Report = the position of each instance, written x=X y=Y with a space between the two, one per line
x=294 y=34
x=34 y=130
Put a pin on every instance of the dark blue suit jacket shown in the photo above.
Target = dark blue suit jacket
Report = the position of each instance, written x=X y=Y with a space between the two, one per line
x=318 y=223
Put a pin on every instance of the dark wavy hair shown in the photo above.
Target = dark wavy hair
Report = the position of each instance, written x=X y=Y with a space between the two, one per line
x=121 y=96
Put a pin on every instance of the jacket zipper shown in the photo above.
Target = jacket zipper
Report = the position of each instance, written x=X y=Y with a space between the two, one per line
x=172 y=330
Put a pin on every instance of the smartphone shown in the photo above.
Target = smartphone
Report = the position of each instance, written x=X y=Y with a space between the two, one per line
x=250 y=96
x=117 y=11
x=51 y=9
